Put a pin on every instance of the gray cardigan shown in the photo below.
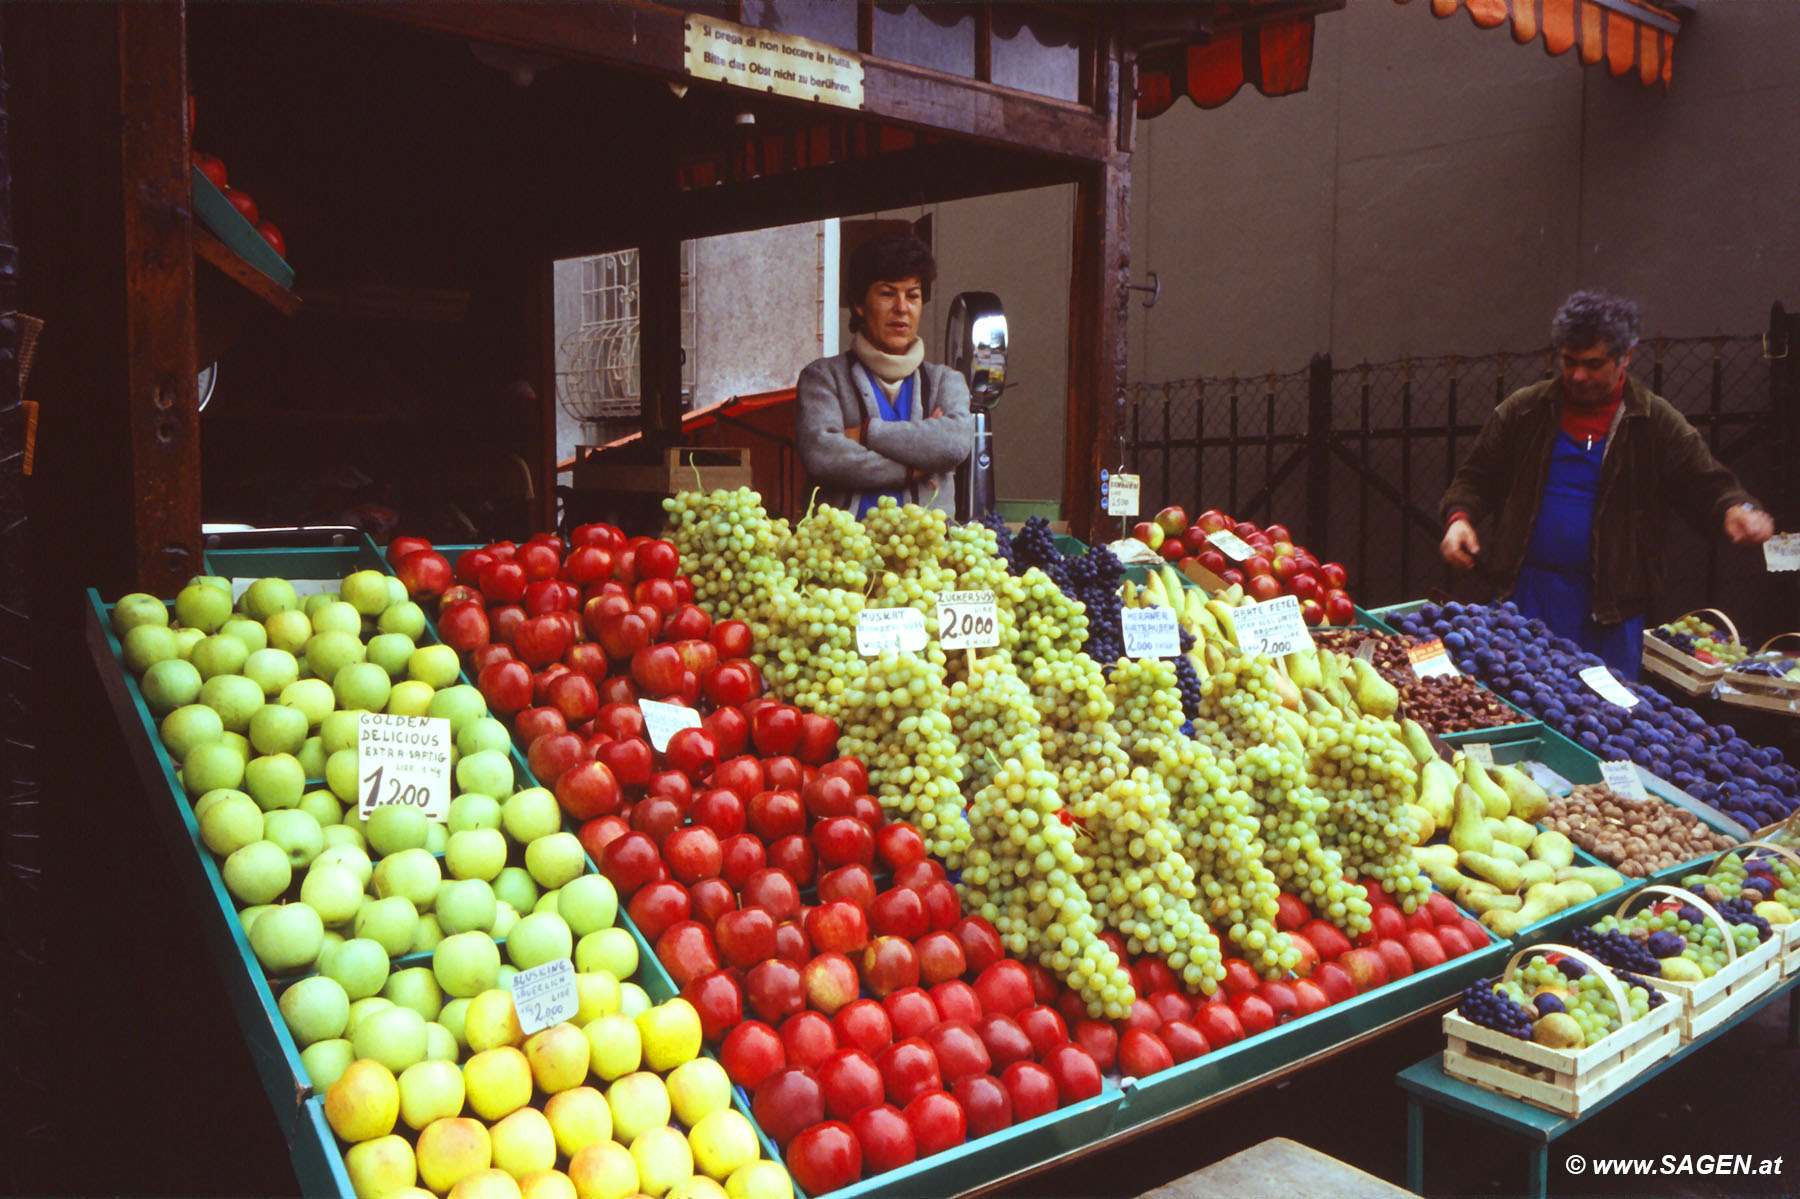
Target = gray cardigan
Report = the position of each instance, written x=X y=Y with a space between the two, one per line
x=833 y=396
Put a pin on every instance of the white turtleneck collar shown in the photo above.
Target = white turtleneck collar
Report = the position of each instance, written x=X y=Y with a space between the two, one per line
x=890 y=370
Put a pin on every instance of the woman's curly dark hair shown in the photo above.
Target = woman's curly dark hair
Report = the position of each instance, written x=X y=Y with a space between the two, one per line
x=1591 y=316
x=887 y=258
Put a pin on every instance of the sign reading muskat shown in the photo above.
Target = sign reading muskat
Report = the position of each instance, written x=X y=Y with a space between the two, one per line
x=772 y=62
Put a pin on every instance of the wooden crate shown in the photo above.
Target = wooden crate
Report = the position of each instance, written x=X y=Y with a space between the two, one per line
x=1704 y=1005
x=1569 y=1081
x=1769 y=841
x=1686 y=672
x=681 y=468
x=1674 y=674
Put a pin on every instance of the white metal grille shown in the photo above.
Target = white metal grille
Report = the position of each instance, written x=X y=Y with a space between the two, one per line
x=601 y=380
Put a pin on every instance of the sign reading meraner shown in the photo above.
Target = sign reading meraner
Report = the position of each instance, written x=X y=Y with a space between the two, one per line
x=779 y=63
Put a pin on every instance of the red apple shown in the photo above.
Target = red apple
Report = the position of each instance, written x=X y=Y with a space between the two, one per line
x=712 y=898
x=838 y=926
x=956 y=1000
x=841 y=840
x=656 y=816
x=911 y=1011
x=818 y=739
x=886 y=1138
x=686 y=950
x=863 y=1024
x=1339 y=610
x=774 y=891
x=1076 y=1074
x=1239 y=977
x=1218 y=1023
x=630 y=861
x=1394 y=956
x=1327 y=939
x=1183 y=1040
x=745 y=936
x=1309 y=997
x=629 y=760
x=1171 y=1005
x=692 y=853
x=775 y=990
x=787 y=1102
x=1142 y=1054
x=889 y=964
x=909 y=1068
x=850 y=1080
x=776 y=814
x=1335 y=981
x=1098 y=1039
x=1004 y=987
x=959 y=1050
x=1006 y=1040
x=941 y=956
x=1366 y=968
x=721 y=811
x=1148 y=976
x=901 y=912
x=830 y=982
x=775 y=729
x=719 y=1000
x=809 y=1040
x=657 y=907
x=980 y=942
x=1044 y=1027
x=1280 y=997
x=937 y=1121
x=1031 y=1088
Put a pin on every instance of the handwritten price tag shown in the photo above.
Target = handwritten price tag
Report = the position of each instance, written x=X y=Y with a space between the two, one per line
x=662 y=721
x=1782 y=552
x=1122 y=496
x=885 y=630
x=968 y=620
x=1150 y=632
x=1479 y=752
x=545 y=995
x=404 y=760
x=1624 y=779
x=1273 y=628
x=1608 y=688
x=1233 y=545
x=1430 y=659
x=1547 y=778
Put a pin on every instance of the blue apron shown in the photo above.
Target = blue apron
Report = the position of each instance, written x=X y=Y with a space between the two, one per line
x=1555 y=584
x=899 y=408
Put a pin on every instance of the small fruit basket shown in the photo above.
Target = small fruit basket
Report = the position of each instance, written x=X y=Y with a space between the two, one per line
x=1559 y=1029
x=1772 y=872
x=1768 y=679
x=1691 y=652
x=1713 y=958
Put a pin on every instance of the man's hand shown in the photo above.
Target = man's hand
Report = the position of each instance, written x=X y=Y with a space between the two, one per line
x=1460 y=545
x=1748 y=526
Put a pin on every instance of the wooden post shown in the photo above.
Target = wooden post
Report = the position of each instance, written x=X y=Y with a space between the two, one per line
x=1097 y=298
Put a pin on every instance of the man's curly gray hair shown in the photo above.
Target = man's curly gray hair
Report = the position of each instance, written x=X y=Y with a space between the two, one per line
x=1591 y=316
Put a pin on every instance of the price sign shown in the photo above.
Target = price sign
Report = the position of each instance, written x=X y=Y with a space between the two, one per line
x=1273 y=628
x=1366 y=651
x=1122 y=496
x=545 y=995
x=1624 y=779
x=1233 y=545
x=662 y=721
x=1547 y=778
x=968 y=620
x=883 y=630
x=1430 y=659
x=1607 y=687
x=1479 y=752
x=1782 y=551
x=1150 y=632
x=403 y=760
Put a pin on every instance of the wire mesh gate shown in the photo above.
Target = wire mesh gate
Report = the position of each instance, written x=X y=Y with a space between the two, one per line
x=1355 y=459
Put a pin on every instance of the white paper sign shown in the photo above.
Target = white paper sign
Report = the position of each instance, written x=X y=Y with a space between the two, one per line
x=662 y=721
x=1273 y=628
x=1607 y=687
x=1430 y=659
x=1782 y=551
x=968 y=620
x=1547 y=778
x=882 y=630
x=1150 y=632
x=1122 y=496
x=1233 y=545
x=1624 y=779
x=403 y=760
x=545 y=995
x=1479 y=752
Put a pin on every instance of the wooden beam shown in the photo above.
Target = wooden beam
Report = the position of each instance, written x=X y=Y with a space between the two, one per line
x=162 y=401
x=541 y=286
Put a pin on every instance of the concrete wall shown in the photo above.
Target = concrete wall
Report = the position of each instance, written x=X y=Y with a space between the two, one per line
x=1439 y=188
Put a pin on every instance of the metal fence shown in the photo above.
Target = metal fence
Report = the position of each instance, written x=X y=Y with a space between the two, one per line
x=1354 y=459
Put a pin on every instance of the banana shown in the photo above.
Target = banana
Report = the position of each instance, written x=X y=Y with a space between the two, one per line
x=1221 y=612
x=1153 y=587
x=1200 y=622
x=1198 y=660
x=1215 y=658
x=1171 y=579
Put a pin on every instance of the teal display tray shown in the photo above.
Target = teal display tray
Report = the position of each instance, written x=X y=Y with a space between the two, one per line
x=228 y=225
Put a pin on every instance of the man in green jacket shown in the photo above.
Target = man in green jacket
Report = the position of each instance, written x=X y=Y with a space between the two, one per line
x=1577 y=475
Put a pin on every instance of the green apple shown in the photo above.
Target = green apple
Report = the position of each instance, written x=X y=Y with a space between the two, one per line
x=555 y=859
x=391 y=922
x=430 y=1090
x=326 y=1061
x=434 y=664
x=452 y=1017
x=473 y=810
x=394 y=1036
x=515 y=886
x=411 y=873
x=723 y=1142
x=610 y=949
x=288 y=938
x=169 y=684
x=315 y=1009
x=313 y=697
x=588 y=902
x=311 y=604
x=697 y=1088
x=230 y=823
x=492 y=1020
x=671 y=1034
x=546 y=903
x=428 y=934
x=639 y=1102
x=265 y=597
x=633 y=1000
x=597 y=992
x=416 y=988
x=277 y=729
x=219 y=581
x=663 y=1159
x=353 y=858
x=505 y=979
x=214 y=764
x=339 y=730
x=312 y=760
x=239 y=744
x=394 y=827
x=359 y=965
x=343 y=773
x=404 y=617
x=451 y=1150
x=364 y=1102
x=538 y=938
x=330 y=651
x=220 y=654
x=529 y=814
x=383 y=1166
x=437 y=838
x=466 y=964
x=498 y=1082
x=604 y=1168
x=489 y=772
x=578 y=1117
x=189 y=726
x=332 y=891
x=476 y=853
x=367 y=592
x=483 y=733
x=523 y=1141
x=274 y=670
x=362 y=685
x=250 y=632
x=234 y=697
x=345 y=834
x=138 y=609
x=459 y=705
x=289 y=631
x=336 y=616
x=362 y=1009
x=146 y=645
x=505 y=916
x=321 y=806
x=276 y=781
x=187 y=639
x=409 y=698
x=466 y=905
x=390 y=651
x=204 y=607
x=440 y=1043
x=396 y=591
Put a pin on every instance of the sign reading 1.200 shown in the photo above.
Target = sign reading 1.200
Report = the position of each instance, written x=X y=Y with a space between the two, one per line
x=403 y=761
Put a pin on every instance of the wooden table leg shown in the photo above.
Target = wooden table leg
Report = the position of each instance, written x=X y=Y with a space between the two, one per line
x=1415 y=1145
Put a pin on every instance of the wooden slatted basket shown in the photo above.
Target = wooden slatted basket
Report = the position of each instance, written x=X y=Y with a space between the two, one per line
x=1569 y=1081
x=1786 y=935
x=1706 y=1004
x=1760 y=691
x=1686 y=672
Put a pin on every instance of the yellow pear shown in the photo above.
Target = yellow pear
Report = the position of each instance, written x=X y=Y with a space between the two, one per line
x=604 y=1170
x=663 y=1159
x=364 y=1101
x=451 y=1149
x=558 y=1057
x=498 y=1082
x=381 y=1166
x=523 y=1143
x=578 y=1117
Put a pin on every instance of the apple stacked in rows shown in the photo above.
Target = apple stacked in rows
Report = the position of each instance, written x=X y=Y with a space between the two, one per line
x=1278 y=567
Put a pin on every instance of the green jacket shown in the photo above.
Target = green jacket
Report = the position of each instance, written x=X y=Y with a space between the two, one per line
x=1654 y=461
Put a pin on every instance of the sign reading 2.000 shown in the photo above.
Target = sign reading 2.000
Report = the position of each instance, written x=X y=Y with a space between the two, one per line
x=968 y=620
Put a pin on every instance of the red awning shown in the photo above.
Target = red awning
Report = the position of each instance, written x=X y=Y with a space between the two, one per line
x=1274 y=57
x=1629 y=36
